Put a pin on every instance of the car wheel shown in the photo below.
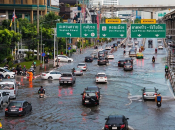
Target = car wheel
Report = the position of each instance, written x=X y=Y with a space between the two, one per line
x=69 y=61
x=50 y=78
x=7 y=76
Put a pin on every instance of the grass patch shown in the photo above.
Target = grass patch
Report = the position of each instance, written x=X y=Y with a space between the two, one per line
x=28 y=64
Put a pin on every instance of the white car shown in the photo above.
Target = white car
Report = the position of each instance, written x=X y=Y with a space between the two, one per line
x=101 y=77
x=51 y=75
x=160 y=47
x=63 y=58
x=82 y=66
x=110 y=56
x=108 y=47
x=9 y=86
x=170 y=43
x=136 y=42
x=7 y=73
x=130 y=44
x=100 y=49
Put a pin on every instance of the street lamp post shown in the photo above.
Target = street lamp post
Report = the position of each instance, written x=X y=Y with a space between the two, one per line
x=43 y=56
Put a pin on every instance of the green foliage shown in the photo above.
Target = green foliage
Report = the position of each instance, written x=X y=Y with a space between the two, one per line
x=67 y=5
x=137 y=20
x=9 y=58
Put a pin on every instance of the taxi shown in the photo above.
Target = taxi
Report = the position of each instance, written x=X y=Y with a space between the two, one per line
x=139 y=55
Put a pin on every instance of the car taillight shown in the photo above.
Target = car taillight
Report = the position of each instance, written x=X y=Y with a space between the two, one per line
x=70 y=78
x=105 y=77
x=155 y=94
x=97 y=77
x=74 y=70
x=144 y=94
x=84 y=67
x=84 y=95
x=130 y=66
x=6 y=109
x=14 y=91
x=96 y=95
x=106 y=126
x=20 y=109
x=122 y=126
x=118 y=62
x=59 y=78
x=81 y=71
x=124 y=66
x=43 y=74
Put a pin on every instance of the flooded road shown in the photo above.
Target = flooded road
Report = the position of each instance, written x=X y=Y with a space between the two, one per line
x=62 y=107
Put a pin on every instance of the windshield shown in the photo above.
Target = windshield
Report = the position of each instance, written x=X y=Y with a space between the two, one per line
x=6 y=86
x=149 y=90
x=101 y=75
x=15 y=104
x=7 y=70
x=81 y=64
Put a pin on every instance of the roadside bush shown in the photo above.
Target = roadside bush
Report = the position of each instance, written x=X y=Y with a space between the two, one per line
x=10 y=63
x=31 y=58
x=26 y=59
x=74 y=50
x=35 y=57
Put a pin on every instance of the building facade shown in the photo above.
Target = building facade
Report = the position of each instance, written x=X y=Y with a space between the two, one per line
x=25 y=8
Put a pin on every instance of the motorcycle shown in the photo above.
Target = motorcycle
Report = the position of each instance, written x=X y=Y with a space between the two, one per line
x=24 y=73
x=41 y=95
x=158 y=104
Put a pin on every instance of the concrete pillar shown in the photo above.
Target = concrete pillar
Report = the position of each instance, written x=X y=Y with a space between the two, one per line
x=41 y=2
x=23 y=16
x=46 y=7
x=7 y=14
x=6 y=1
x=29 y=2
x=31 y=16
x=151 y=15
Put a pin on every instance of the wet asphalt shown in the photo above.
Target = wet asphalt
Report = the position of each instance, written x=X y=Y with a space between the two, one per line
x=62 y=107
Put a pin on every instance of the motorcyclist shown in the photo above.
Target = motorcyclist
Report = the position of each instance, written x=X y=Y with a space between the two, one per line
x=158 y=100
x=156 y=50
x=124 y=52
x=73 y=71
x=166 y=68
x=24 y=68
x=41 y=90
x=124 y=46
x=153 y=59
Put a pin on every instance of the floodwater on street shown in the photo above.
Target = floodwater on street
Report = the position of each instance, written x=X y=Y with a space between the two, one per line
x=62 y=107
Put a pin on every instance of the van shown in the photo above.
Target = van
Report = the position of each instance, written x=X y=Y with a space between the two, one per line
x=9 y=86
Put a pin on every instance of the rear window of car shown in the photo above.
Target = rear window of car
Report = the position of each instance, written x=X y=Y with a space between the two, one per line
x=90 y=94
x=66 y=75
x=101 y=75
x=81 y=64
x=115 y=120
x=149 y=90
x=6 y=86
x=15 y=104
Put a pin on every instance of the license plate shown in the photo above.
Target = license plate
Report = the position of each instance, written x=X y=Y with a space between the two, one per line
x=101 y=78
x=114 y=128
x=150 y=94
x=13 y=110
x=86 y=101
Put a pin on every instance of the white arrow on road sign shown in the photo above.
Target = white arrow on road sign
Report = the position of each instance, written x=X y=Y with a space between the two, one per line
x=104 y=35
x=139 y=35
x=157 y=35
x=85 y=34
x=69 y=33
x=121 y=35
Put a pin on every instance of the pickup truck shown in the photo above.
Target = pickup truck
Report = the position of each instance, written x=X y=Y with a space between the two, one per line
x=67 y=78
x=4 y=98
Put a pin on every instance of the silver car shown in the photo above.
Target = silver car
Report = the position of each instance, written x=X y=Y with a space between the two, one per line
x=149 y=93
x=78 y=71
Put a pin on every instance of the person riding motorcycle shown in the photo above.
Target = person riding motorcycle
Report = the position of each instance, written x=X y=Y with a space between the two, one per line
x=156 y=50
x=153 y=59
x=166 y=68
x=158 y=100
x=24 y=68
x=41 y=90
x=124 y=52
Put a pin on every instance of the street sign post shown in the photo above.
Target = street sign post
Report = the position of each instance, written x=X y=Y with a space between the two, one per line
x=43 y=54
x=69 y=50
x=113 y=30
x=68 y=30
x=89 y=30
x=148 y=30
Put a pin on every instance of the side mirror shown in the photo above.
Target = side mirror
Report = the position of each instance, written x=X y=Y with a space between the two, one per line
x=106 y=118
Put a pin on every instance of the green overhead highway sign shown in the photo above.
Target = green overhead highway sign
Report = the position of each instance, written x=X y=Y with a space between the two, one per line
x=89 y=30
x=148 y=30
x=68 y=30
x=113 y=30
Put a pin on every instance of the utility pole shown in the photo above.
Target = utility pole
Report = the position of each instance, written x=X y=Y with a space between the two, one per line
x=38 y=28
